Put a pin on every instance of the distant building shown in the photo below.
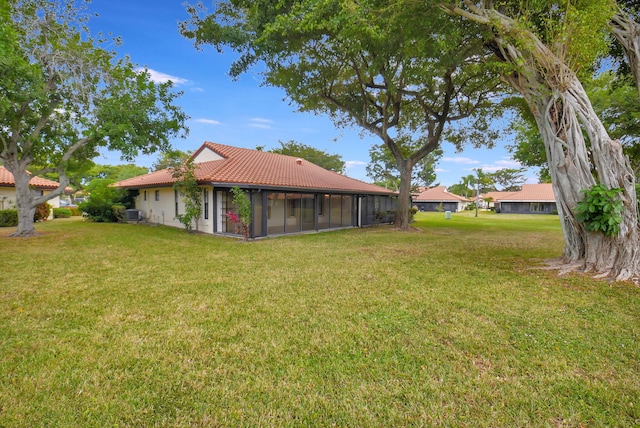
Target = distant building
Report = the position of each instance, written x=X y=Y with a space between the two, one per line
x=532 y=199
x=438 y=199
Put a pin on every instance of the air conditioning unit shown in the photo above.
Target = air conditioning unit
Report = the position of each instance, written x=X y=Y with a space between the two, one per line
x=135 y=215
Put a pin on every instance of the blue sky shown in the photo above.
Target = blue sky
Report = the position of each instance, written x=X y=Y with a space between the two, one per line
x=243 y=113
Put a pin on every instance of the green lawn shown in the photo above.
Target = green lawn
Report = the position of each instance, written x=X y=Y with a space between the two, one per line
x=131 y=325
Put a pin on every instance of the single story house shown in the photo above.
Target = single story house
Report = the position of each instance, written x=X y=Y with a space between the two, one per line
x=41 y=186
x=438 y=199
x=487 y=200
x=532 y=199
x=288 y=194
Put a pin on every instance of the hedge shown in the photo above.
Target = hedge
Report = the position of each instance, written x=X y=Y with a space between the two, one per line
x=8 y=218
x=61 y=213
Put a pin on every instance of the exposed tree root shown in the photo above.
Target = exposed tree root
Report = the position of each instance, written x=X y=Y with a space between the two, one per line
x=565 y=268
x=23 y=234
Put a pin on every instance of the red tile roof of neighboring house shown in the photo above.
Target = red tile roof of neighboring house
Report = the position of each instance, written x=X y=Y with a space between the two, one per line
x=438 y=194
x=258 y=169
x=7 y=180
x=531 y=193
x=495 y=196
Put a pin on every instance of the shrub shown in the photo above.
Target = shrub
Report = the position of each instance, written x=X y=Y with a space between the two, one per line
x=8 y=218
x=120 y=213
x=99 y=206
x=412 y=213
x=42 y=212
x=75 y=211
x=601 y=209
x=61 y=213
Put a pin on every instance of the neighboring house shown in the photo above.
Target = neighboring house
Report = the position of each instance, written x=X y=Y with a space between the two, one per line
x=288 y=194
x=487 y=200
x=532 y=199
x=438 y=199
x=40 y=186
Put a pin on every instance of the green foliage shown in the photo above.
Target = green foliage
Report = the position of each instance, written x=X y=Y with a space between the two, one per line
x=509 y=179
x=42 y=212
x=319 y=157
x=405 y=72
x=102 y=197
x=171 y=159
x=601 y=209
x=187 y=185
x=383 y=169
x=8 y=218
x=119 y=212
x=65 y=95
x=245 y=213
x=61 y=213
x=412 y=213
x=75 y=211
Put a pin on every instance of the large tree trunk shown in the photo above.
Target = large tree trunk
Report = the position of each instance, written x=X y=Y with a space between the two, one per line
x=25 y=204
x=26 y=199
x=568 y=157
x=564 y=114
x=627 y=31
x=404 y=195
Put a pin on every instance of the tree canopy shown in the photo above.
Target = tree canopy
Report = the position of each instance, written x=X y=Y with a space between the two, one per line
x=370 y=64
x=63 y=96
x=382 y=169
x=331 y=162
x=547 y=48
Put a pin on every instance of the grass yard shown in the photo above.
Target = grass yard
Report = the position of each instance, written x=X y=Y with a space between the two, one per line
x=129 y=325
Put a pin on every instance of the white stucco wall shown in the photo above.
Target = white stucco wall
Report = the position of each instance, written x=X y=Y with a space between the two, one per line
x=162 y=210
x=206 y=155
x=8 y=199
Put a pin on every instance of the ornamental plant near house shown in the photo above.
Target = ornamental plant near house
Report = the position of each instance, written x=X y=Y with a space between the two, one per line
x=187 y=186
x=243 y=218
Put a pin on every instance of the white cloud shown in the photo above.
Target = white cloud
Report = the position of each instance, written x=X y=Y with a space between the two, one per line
x=261 y=120
x=260 y=126
x=159 y=77
x=350 y=164
x=460 y=159
x=209 y=121
x=501 y=164
x=260 y=123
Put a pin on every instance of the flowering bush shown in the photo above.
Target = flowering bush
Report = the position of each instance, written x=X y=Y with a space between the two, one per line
x=241 y=227
x=42 y=212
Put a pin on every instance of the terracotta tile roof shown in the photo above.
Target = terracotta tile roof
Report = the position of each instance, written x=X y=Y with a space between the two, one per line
x=531 y=193
x=438 y=194
x=495 y=196
x=6 y=180
x=247 y=167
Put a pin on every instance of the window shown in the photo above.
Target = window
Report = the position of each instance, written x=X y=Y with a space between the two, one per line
x=292 y=205
x=320 y=205
x=205 y=194
x=175 y=196
x=157 y=195
x=536 y=207
x=145 y=195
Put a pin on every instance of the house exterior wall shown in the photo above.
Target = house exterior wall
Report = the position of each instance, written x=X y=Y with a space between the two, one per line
x=526 y=207
x=159 y=207
x=438 y=206
x=274 y=212
x=8 y=199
